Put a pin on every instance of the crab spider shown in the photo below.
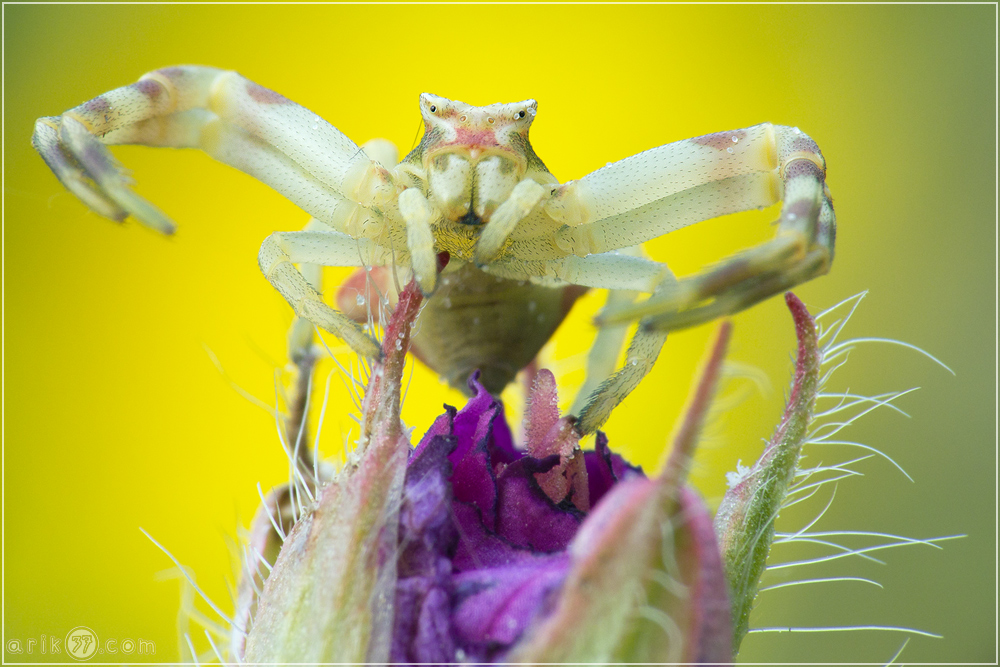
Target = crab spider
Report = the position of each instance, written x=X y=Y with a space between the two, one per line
x=498 y=244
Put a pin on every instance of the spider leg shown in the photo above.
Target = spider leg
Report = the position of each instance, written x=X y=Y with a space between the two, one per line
x=625 y=273
x=233 y=119
x=604 y=352
x=740 y=281
x=605 y=387
x=382 y=151
x=255 y=130
x=639 y=359
x=734 y=285
x=666 y=188
x=418 y=215
x=282 y=250
x=300 y=333
x=523 y=198
x=610 y=270
x=603 y=355
x=663 y=189
x=69 y=171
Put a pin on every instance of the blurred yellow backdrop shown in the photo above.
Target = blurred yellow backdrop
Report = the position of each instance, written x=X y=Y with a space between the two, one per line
x=115 y=416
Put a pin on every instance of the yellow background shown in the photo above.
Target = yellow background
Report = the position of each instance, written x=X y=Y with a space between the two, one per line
x=116 y=418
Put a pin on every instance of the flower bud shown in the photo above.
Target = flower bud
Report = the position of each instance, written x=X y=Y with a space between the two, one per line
x=744 y=522
x=467 y=547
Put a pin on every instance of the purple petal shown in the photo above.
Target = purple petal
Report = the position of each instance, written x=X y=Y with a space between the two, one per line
x=472 y=480
x=433 y=642
x=470 y=419
x=600 y=476
x=421 y=628
x=496 y=605
x=479 y=547
x=427 y=539
x=502 y=449
x=482 y=544
x=605 y=469
x=427 y=534
x=443 y=425
x=623 y=468
x=640 y=527
x=472 y=423
x=526 y=516
x=614 y=551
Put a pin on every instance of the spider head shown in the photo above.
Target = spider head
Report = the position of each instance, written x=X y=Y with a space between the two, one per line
x=474 y=156
x=477 y=130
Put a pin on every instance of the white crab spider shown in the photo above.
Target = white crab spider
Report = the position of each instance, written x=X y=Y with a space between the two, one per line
x=517 y=246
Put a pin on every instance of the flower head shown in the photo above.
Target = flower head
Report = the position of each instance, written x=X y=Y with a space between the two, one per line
x=468 y=547
x=473 y=547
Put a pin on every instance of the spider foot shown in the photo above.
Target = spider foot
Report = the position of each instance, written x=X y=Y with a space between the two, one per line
x=89 y=170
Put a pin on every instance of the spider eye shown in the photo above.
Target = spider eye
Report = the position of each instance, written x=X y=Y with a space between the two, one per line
x=433 y=108
x=520 y=114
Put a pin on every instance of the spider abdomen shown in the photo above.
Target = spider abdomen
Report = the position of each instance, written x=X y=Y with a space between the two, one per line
x=475 y=321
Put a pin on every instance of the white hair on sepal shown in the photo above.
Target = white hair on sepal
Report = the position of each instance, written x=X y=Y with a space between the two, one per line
x=811 y=481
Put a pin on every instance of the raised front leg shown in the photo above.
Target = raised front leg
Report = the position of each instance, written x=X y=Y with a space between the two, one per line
x=666 y=188
x=233 y=119
x=255 y=130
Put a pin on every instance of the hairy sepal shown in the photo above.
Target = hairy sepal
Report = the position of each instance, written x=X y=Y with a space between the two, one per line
x=744 y=523
x=329 y=597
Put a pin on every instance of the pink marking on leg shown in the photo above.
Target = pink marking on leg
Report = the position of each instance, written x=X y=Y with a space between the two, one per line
x=802 y=167
x=96 y=106
x=149 y=88
x=801 y=211
x=721 y=140
x=171 y=72
x=265 y=95
x=804 y=144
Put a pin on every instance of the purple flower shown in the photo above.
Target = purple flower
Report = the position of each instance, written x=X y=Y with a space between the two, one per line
x=468 y=547
x=482 y=544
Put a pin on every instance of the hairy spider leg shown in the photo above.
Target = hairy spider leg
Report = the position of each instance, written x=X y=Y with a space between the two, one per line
x=242 y=124
x=666 y=188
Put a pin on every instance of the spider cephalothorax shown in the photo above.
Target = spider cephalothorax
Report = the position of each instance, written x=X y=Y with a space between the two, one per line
x=474 y=156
